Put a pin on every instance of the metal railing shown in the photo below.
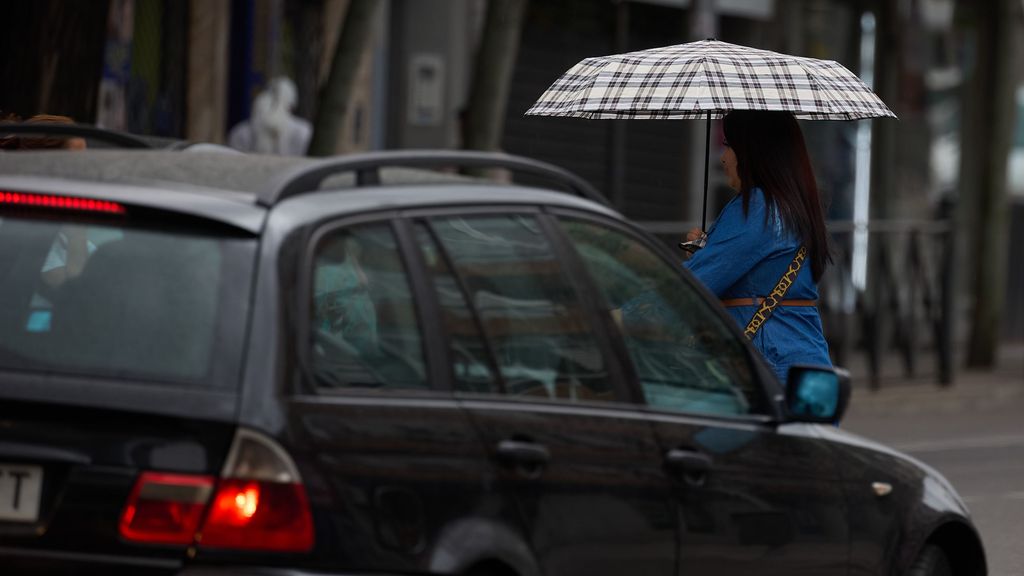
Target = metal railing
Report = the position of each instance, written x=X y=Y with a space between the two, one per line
x=905 y=302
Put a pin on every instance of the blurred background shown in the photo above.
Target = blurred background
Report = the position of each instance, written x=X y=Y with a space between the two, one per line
x=927 y=212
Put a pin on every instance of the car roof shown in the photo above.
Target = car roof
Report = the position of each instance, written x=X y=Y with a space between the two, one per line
x=238 y=188
x=217 y=173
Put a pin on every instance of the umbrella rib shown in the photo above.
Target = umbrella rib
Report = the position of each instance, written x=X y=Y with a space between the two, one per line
x=831 y=101
x=819 y=88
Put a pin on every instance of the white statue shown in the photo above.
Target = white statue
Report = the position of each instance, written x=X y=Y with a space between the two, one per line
x=271 y=127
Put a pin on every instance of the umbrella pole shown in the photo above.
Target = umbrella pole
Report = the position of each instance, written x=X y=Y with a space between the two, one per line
x=707 y=159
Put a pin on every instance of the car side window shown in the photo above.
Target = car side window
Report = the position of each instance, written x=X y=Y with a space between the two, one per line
x=364 y=331
x=531 y=316
x=684 y=355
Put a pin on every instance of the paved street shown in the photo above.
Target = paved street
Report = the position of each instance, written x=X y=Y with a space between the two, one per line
x=973 y=433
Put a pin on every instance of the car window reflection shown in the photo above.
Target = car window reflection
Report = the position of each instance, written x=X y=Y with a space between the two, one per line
x=684 y=356
x=529 y=311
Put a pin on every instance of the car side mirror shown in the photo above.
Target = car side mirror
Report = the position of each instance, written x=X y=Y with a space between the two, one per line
x=817 y=394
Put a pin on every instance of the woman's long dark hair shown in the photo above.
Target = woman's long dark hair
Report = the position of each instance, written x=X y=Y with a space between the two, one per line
x=771 y=155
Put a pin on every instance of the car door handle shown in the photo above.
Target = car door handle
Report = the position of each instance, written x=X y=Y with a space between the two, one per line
x=688 y=461
x=519 y=452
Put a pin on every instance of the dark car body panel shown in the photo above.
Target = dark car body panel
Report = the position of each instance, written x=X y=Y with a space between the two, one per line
x=406 y=481
x=90 y=458
x=771 y=502
x=887 y=532
x=149 y=398
x=387 y=476
x=601 y=504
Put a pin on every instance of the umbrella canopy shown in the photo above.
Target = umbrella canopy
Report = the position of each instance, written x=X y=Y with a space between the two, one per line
x=706 y=79
x=712 y=77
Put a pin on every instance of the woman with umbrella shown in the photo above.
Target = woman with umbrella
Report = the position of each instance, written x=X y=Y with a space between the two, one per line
x=769 y=247
x=758 y=234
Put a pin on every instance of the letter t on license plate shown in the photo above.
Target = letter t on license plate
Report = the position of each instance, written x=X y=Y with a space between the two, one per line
x=20 y=488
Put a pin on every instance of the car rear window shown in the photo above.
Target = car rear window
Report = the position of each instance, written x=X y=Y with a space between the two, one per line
x=123 y=299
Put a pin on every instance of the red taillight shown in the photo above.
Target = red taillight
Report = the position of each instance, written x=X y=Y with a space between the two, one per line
x=60 y=202
x=258 y=503
x=252 y=515
x=165 y=508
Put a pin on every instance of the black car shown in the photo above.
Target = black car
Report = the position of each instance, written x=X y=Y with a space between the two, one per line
x=228 y=364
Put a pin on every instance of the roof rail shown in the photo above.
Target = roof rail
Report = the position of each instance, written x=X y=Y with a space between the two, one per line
x=120 y=139
x=367 y=170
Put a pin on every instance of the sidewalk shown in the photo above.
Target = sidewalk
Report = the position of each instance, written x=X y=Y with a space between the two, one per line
x=971 y=390
x=910 y=413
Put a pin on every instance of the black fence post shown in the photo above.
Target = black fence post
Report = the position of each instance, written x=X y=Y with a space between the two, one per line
x=912 y=269
x=944 y=336
x=874 y=318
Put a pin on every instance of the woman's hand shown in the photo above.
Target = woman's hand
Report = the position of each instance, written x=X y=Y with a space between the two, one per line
x=695 y=240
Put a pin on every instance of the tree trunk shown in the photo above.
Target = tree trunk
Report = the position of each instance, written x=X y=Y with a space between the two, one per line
x=53 y=57
x=987 y=125
x=307 y=45
x=484 y=120
x=206 y=98
x=356 y=34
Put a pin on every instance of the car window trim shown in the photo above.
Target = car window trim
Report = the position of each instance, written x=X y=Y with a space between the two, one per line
x=492 y=362
x=427 y=215
x=428 y=307
x=763 y=379
x=616 y=342
x=307 y=382
x=551 y=234
x=590 y=301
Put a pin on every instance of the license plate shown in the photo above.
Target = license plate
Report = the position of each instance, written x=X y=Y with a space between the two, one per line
x=20 y=488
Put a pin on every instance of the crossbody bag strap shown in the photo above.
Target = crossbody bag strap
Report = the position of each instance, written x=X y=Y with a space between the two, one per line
x=775 y=298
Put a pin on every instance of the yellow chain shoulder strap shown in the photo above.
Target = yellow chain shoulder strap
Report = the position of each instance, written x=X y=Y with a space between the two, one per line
x=775 y=297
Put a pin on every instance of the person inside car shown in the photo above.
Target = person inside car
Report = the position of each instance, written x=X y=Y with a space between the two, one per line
x=71 y=247
x=342 y=302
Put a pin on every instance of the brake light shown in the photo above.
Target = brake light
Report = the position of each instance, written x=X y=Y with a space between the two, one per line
x=258 y=516
x=165 y=508
x=60 y=202
x=258 y=503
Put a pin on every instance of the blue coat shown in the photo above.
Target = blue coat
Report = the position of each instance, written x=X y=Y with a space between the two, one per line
x=744 y=257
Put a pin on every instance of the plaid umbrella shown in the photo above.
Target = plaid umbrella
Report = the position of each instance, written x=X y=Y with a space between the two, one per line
x=690 y=80
x=706 y=79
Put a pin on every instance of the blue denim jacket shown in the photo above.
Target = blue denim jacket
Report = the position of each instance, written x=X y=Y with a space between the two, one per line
x=744 y=257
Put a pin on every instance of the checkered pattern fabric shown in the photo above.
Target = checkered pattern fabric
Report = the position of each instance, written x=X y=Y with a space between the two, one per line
x=690 y=80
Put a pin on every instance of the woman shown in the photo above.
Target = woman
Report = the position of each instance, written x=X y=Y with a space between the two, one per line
x=755 y=238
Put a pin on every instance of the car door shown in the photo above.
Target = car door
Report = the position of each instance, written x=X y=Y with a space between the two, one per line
x=753 y=498
x=395 y=468
x=536 y=375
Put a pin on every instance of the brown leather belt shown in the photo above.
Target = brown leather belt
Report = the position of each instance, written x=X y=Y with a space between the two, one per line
x=731 y=302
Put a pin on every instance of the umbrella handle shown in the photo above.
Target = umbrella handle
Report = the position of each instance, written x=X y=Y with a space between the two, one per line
x=707 y=160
